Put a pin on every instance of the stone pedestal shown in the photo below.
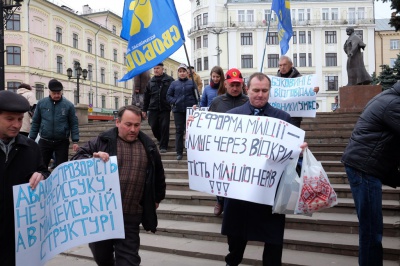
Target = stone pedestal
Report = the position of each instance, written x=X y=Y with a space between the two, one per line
x=82 y=113
x=354 y=98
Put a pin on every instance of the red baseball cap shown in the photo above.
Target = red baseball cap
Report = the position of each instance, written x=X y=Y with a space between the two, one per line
x=234 y=75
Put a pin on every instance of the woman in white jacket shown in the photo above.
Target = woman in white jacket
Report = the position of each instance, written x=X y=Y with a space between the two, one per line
x=26 y=91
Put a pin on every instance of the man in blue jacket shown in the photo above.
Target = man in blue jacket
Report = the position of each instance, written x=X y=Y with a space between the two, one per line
x=371 y=159
x=55 y=120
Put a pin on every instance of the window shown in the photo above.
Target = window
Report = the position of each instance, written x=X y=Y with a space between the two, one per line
x=247 y=61
x=14 y=23
x=300 y=13
x=250 y=15
x=273 y=60
x=102 y=50
x=310 y=60
x=331 y=59
x=272 y=38
x=124 y=58
x=334 y=14
x=361 y=13
x=116 y=79
x=103 y=101
x=359 y=33
x=330 y=36
x=246 y=38
x=89 y=45
x=126 y=101
x=205 y=18
x=198 y=42
x=295 y=60
x=205 y=40
x=392 y=61
x=58 y=34
x=59 y=65
x=13 y=86
x=267 y=15
x=90 y=72
x=331 y=83
x=75 y=40
x=309 y=36
x=125 y=84
x=115 y=54
x=74 y=72
x=206 y=63
x=116 y=103
x=198 y=64
x=241 y=16
x=352 y=15
x=14 y=55
x=302 y=37
x=39 y=91
x=294 y=37
x=114 y=29
x=197 y=21
x=206 y=82
x=308 y=14
x=103 y=75
x=394 y=44
x=325 y=14
x=303 y=62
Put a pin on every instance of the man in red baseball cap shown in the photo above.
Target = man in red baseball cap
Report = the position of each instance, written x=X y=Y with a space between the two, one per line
x=233 y=97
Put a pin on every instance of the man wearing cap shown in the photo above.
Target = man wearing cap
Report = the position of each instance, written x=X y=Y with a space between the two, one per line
x=233 y=97
x=20 y=162
x=196 y=79
x=156 y=104
x=55 y=120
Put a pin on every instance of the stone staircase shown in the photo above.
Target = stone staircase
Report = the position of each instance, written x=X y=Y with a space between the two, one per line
x=188 y=227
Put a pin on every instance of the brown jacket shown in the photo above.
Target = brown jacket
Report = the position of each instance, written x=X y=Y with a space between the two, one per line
x=198 y=82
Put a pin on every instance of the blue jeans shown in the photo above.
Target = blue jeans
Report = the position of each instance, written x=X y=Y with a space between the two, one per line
x=367 y=194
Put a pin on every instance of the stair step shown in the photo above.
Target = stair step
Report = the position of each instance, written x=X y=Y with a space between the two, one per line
x=217 y=250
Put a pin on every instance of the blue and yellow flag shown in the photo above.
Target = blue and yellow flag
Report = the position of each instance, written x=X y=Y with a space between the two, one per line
x=285 y=31
x=153 y=31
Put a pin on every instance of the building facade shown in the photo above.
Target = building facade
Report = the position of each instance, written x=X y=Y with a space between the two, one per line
x=232 y=33
x=387 y=44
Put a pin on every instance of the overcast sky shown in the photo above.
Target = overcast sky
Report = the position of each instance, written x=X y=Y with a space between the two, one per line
x=382 y=10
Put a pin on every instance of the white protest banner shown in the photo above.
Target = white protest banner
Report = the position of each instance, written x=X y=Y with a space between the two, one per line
x=189 y=111
x=80 y=202
x=240 y=156
x=295 y=96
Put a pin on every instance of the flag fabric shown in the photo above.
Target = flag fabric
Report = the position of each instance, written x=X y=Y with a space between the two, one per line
x=285 y=31
x=153 y=31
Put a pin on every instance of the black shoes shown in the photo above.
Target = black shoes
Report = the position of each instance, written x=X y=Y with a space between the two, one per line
x=179 y=157
x=163 y=150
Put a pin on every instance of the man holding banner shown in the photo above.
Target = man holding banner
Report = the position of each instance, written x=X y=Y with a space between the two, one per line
x=247 y=221
x=21 y=162
x=142 y=182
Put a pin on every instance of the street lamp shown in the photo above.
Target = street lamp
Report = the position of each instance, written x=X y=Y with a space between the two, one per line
x=7 y=9
x=217 y=31
x=79 y=73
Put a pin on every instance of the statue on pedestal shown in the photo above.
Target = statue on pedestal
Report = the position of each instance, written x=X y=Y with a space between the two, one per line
x=356 y=72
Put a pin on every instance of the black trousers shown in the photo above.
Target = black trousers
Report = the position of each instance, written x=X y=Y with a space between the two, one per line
x=180 y=124
x=272 y=255
x=159 y=123
x=59 y=147
x=120 y=252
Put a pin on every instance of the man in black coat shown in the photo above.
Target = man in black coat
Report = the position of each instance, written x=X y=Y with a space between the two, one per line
x=142 y=182
x=20 y=162
x=155 y=102
x=246 y=221
x=371 y=159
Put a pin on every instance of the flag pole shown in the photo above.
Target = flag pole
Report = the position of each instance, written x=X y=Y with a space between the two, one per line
x=195 y=90
x=266 y=39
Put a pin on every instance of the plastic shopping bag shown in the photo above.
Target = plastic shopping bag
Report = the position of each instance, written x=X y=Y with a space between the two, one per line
x=316 y=192
x=288 y=190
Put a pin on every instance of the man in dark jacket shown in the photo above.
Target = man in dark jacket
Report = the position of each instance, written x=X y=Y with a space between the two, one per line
x=246 y=221
x=287 y=70
x=55 y=120
x=20 y=162
x=142 y=179
x=371 y=159
x=155 y=102
x=233 y=97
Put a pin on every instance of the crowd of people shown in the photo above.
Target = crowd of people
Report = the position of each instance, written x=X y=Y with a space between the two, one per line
x=370 y=157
